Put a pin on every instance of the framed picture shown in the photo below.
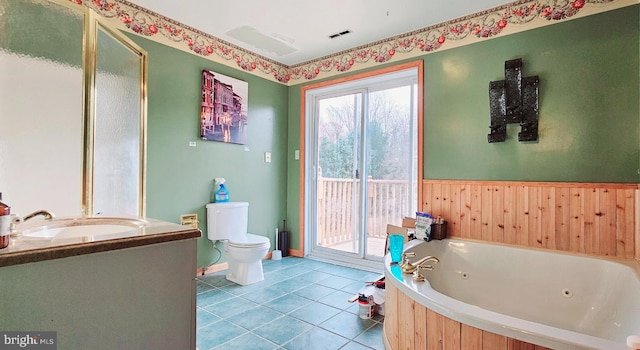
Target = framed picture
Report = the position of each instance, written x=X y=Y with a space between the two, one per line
x=223 y=114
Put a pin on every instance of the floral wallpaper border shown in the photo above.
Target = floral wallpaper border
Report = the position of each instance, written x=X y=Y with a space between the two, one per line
x=483 y=25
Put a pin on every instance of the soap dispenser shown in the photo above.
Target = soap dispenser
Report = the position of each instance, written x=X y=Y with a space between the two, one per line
x=5 y=222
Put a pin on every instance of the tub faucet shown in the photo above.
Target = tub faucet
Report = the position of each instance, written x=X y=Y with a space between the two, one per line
x=404 y=261
x=409 y=267
x=417 y=276
x=422 y=263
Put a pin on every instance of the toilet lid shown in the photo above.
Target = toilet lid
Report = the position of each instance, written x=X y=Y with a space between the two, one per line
x=249 y=240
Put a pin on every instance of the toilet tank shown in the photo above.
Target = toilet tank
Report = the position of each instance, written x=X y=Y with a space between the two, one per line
x=227 y=220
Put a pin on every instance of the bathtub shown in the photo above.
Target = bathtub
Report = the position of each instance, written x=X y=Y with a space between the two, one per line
x=556 y=300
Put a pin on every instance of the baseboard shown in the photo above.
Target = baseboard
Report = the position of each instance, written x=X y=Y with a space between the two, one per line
x=297 y=253
x=223 y=266
x=211 y=269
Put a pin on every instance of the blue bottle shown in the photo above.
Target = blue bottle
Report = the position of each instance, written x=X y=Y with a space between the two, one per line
x=222 y=194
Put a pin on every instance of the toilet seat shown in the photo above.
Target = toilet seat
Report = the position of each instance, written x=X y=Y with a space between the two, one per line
x=248 y=241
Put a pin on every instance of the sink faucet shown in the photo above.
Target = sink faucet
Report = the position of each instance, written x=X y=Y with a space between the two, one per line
x=45 y=213
x=15 y=220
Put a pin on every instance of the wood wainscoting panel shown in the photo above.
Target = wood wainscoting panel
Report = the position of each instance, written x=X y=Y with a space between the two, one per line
x=563 y=219
x=625 y=227
x=592 y=218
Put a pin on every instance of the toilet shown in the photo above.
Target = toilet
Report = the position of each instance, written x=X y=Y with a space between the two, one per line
x=227 y=222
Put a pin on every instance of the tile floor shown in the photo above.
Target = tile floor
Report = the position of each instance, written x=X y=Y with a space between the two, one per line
x=301 y=304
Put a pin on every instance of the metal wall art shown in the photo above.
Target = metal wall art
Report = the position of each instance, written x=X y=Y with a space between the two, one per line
x=514 y=100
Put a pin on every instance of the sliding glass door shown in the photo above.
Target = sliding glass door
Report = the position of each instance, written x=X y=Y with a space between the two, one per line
x=338 y=172
x=364 y=162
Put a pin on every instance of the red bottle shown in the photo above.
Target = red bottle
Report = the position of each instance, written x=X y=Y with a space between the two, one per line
x=5 y=221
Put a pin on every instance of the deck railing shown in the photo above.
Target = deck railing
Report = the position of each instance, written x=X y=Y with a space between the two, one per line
x=387 y=203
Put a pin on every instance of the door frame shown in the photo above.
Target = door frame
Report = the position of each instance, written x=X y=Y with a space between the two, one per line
x=306 y=141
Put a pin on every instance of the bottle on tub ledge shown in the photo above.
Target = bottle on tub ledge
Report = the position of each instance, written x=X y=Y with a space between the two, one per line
x=5 y=221
x=221 y=195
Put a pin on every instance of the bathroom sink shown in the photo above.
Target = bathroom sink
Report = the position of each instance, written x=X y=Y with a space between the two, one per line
x=84 y=227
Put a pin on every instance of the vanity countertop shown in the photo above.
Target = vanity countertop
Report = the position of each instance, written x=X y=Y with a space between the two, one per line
x=22 y=250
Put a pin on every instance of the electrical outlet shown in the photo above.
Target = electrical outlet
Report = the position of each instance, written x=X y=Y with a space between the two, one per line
x=267 y=157
x=296 y=154
x=189 y=220
x=192 y=144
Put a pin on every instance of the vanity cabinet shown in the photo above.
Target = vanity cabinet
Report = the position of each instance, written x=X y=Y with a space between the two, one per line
x=141 y=297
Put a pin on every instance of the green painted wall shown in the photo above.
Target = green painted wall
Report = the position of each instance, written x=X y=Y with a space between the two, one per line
x=588 y=71
x=180 y=178
x=589 y=112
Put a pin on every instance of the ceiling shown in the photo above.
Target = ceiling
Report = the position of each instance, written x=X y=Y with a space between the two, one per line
x=296 y=31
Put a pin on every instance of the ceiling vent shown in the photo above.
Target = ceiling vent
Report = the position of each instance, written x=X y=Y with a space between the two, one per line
x=333 y=36
x=279 y=45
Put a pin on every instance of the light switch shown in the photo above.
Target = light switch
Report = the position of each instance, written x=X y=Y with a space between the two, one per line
x=296 y=154
x=267 y=157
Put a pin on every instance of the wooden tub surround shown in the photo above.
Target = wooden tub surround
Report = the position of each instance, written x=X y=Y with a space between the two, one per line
x=497 y=296
x=410 y=326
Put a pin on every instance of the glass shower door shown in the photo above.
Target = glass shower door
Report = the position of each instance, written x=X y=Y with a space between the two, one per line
x=118 y=124
x=115 y=119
